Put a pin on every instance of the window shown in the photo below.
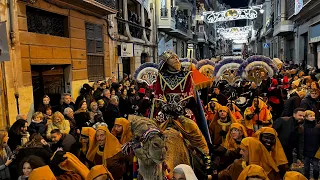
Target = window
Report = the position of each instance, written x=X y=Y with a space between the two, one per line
x=44 y=22
x=94 y=38
x=95 y=52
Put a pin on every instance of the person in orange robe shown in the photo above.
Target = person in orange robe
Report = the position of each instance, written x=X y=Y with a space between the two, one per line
x=99 y=172
x=220 y=125
x=42 y=173
x=269 y=138
x=211 y=109
x=293 y=175
x=235 y=111
x=121 y=130
x=257 y=115
x=253 y=152
x=106 y=150
x=230 y=149
x=253 y=172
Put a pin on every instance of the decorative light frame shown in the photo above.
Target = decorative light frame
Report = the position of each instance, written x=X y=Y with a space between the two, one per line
x=244 y=29
x=232 y=14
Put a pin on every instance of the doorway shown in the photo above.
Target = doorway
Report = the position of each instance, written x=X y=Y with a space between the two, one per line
x=144 y=58
x=126 y=65
x=48 y=80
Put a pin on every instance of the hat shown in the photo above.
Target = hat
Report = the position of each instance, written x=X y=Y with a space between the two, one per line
x=87 y=87
x=142 y=91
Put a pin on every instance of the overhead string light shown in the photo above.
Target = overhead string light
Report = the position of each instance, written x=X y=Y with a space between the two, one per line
x=233 y=14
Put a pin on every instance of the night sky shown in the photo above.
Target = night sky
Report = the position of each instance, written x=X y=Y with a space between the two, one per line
x=238 y=4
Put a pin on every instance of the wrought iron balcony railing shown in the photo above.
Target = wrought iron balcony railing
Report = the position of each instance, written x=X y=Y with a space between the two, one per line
x=164 y=12
x=182 y=23
x=136 y=30
x=109 y=3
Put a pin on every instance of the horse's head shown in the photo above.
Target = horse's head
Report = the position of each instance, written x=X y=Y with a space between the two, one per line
x=147 y=134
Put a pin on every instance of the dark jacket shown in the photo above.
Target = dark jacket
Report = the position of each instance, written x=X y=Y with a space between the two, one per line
x=289 y=134
x=97 y=93
x=110 y=115
x=222 y=99
x=81 y=119
x=14 y=140
x=4 y=170
x=40 y=128
x=290 y=105
x=311 y=138
x=66 y=142
x=83 y=96
x=64 y=105
x=124 y=106
x=311 y=104
x=44 y=152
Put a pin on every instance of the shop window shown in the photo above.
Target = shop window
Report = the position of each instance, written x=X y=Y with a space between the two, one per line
x=95 y=52
x=44 y=22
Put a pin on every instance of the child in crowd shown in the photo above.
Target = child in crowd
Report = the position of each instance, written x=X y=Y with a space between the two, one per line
x=311 y=144
x=38 y=124
x=28 y=164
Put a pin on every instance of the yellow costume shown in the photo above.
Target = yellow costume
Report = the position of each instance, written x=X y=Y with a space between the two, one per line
x=42 y=173
x=230 y=143
x=264 y=115
x=97 y=171
x=253 y=170
x=126 y=132
x=90 y=133
x=111 y=147
x=72 y=163
x=277 y=152
x=211 y=112
x=258 y=154
x=293 y=175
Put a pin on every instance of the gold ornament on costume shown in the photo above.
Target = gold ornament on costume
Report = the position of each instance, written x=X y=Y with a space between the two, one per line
x=230 y=75
x=257 y=74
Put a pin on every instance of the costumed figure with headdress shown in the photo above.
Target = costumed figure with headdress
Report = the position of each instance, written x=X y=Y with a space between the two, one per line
x=256 y=69
x=174 y=91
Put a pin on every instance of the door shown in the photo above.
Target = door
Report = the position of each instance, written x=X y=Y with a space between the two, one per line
x=48 y=80
x=126 y=65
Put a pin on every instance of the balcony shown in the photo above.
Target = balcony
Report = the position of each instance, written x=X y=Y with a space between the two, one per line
x=98 y=8
x=202 y=37
x=109 y=3
x=310 y=9
x=182 y=23
x=136 y=30
x=282 y=26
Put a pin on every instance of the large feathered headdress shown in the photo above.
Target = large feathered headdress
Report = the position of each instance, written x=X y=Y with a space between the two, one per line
x=206 y=67
x=227 y=70
x=256 y=68
x=147 y=73
x=186 y=63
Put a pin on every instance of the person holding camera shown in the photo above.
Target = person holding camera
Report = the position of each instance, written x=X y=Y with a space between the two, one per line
x=257 y=116
x=6 y=156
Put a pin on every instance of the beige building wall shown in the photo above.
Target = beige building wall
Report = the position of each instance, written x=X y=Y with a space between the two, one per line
x=40 y=49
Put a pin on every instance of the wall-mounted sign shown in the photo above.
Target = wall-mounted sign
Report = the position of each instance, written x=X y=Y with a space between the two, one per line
x=266 y=45
x=298 y=6
x=190 y=46
x=4 y=47
x=126 y=50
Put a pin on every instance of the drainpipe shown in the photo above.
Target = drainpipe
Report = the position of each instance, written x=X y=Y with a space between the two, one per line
x=13 y=36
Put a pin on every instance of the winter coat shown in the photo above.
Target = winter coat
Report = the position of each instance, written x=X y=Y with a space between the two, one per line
x=64 y=105
x=311 y=138
x=41 y=151
x=311 y=104
x=38 y=128
x=4 y=170
x=290 y=105
x=97 y=94
x=112 y=112
x=14 y=141
x=289 y=134
x=66 y=142
x=124 y=106
x=82 y=118
x=64 y=127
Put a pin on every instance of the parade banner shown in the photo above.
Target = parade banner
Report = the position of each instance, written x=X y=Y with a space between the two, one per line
x=298 y=6
x=4 y=46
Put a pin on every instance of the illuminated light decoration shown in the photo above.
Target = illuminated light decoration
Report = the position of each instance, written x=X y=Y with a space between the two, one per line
x=240 y=41
x=235 y=29
x=232 y=14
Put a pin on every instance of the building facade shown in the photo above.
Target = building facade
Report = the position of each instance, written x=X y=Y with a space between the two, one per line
x=55 y=47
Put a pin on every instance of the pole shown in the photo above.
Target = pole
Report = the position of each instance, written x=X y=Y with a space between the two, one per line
x=4 y=98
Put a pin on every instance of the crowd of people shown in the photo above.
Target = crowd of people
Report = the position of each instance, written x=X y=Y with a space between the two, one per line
x=273 y=134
